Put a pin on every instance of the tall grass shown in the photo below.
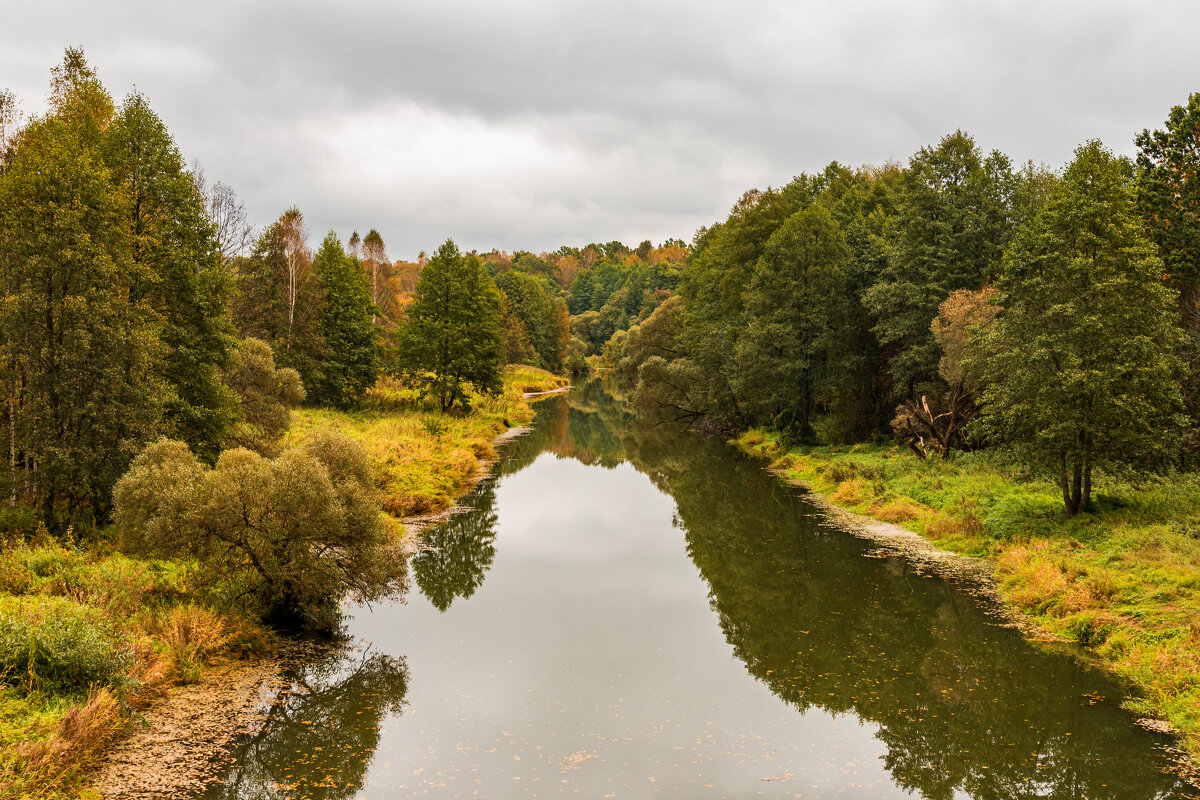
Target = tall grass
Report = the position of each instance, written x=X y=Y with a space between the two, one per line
x=88 y=635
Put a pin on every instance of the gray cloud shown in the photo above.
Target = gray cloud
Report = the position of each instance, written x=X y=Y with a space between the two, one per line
x=539 y=123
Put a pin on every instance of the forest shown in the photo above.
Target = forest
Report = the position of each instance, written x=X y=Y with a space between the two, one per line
x=216 y=428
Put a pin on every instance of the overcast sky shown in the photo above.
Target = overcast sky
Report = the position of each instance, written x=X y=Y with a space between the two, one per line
x=537 y=123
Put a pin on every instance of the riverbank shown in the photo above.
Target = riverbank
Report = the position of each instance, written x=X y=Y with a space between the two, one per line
x=137 y=631
x=1123 y=582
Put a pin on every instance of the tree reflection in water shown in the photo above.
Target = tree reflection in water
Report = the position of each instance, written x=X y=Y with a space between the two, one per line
x=461 y=551
x=318 y=740
x=963 y=707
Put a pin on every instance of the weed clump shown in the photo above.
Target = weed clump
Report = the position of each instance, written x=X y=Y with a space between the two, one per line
x=51 y=644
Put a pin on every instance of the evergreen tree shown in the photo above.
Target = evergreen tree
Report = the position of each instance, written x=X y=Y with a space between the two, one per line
x=1168 y=199
x=351 y=363
x=1081 y=372
x=950 y=231
x=452 y=340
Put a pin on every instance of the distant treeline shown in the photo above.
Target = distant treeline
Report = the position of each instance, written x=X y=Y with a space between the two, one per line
x=956 y=302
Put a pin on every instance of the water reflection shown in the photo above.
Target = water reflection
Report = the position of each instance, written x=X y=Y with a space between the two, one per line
x=962 y=704
x=959 y=706
x=461 y=551
x=318 y=741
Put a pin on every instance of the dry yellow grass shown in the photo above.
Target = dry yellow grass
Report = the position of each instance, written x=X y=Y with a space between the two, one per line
x=425 y=460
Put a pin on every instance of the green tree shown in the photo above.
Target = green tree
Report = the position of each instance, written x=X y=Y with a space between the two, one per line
x=278 y=297
x=951 y=228
x=518 y=348
x=297 y=533
x=530 y=303
x=266 y=396
x=1168 y=198
x=177 y=271
x=452 y=339
x=1081 y=372
x=794 y=306
x=85 y=351
x=351 y=363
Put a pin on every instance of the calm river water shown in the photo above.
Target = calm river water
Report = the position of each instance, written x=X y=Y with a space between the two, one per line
x=630 y=611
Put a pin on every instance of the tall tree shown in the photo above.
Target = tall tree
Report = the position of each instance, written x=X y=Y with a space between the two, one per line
x=351 y=363
x=379 y=273
x=178 y=272
x=529 y=302
x=232 y=229
x=1081 y=372
x=85 y=346
x=794 y=305
x=451 y=342
x=278 y=298
x=952 y=226
x=1168 y=199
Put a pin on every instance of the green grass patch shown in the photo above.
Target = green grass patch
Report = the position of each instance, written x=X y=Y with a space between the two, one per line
x=425 y=459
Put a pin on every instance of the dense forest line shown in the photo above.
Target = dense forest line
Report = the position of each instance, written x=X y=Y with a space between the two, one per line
x=956 y=303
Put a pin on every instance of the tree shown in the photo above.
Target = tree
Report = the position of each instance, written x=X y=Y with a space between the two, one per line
x=233 y=231
x=83 y=348
x=10 y=124
x=177 y=269
x=266 y=396
x=379 y=272
x=1168 y=198
x=518 y=348
x=297 y=533
x=1081 y=372
x=452 y=340
x=938 y=425
x=278 y=297
x=351 y=365
x=793 y=308
x=951 y=228
x=529 y=302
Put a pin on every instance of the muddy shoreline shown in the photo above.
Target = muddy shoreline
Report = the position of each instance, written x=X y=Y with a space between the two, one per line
x=183 y=742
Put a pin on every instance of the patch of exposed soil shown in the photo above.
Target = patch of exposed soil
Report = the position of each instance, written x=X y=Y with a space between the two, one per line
x=184 y=739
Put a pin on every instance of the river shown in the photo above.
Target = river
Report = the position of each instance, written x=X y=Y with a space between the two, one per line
x=633 y=611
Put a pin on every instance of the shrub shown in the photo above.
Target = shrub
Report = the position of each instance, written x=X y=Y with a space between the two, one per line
x=193 y=634
x=52 y=644
x=297 y=532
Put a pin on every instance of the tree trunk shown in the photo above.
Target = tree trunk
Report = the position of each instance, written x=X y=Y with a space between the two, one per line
x=48 y=507
x=12 y=451
x=1070 y=489
x=1085 y=501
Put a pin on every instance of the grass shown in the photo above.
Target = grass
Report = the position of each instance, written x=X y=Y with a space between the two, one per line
x=89 y=636
x=425 y=460
x=1123 y=581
